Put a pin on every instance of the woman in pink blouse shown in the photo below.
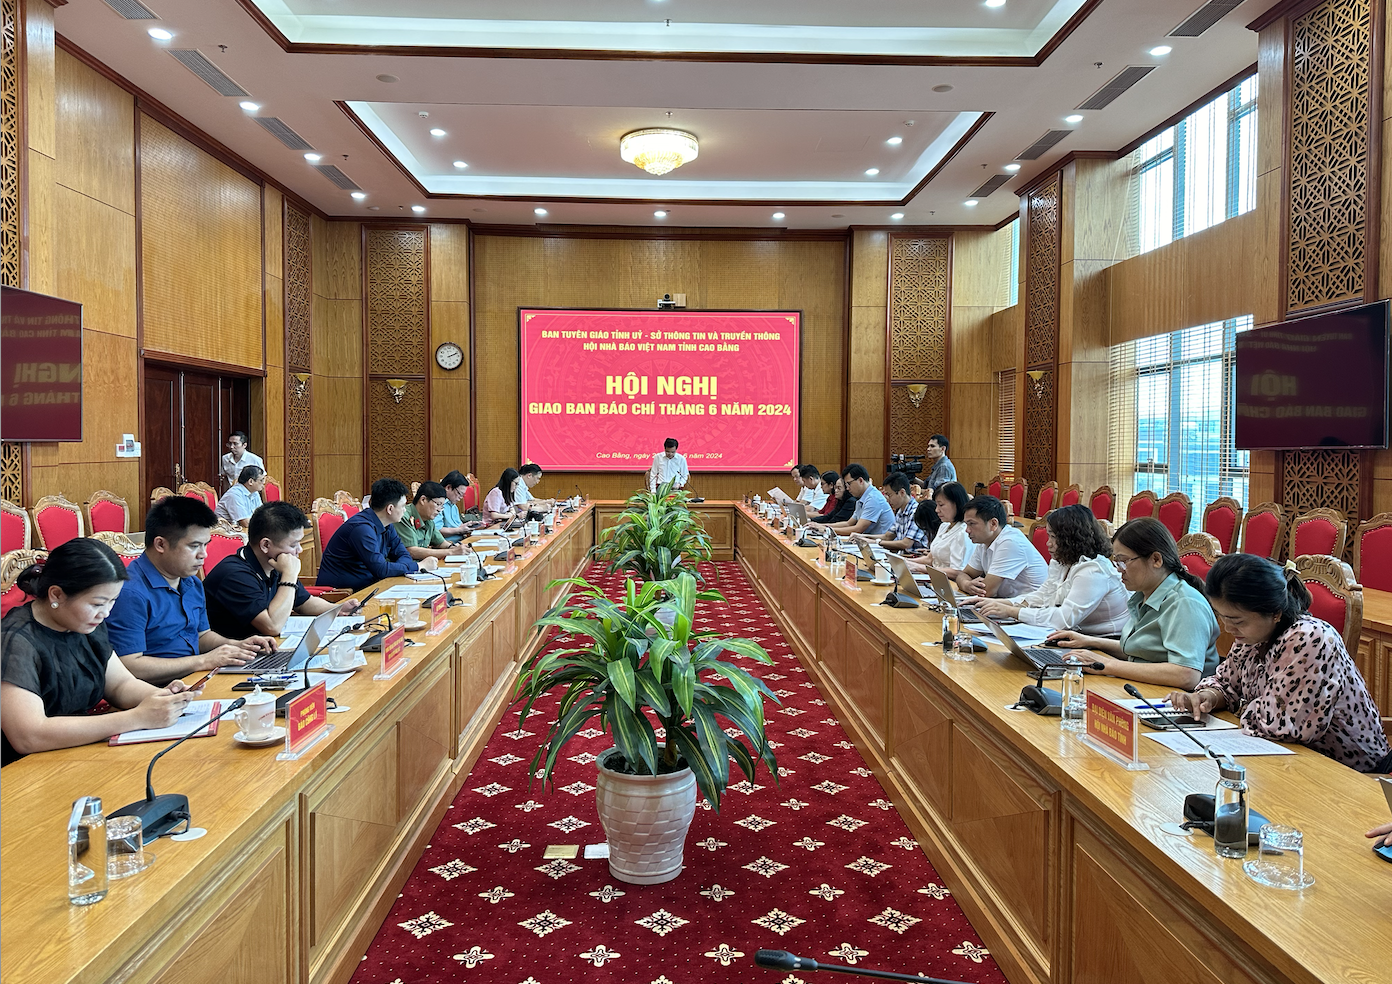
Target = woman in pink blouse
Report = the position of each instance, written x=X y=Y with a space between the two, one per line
x=1288 y=676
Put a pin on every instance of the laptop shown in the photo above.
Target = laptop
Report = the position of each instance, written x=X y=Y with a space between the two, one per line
x=907 y=580
x=1038 y=657
x=798 y=512
x=280 y=660
x=943 y=588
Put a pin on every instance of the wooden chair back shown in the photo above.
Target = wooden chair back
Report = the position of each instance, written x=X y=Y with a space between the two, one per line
x=1372 y=552
x=996 y=487
x=272 y=489
x=56 y=521
x=158 y=493
x=1048 y=492
x=1102 y=502
x=346 y=502
x=1175 y=511
x=1039 y=536
x=15 y=533
x=1264 y=530
x=1198 y=552
x=1016 y=493
x=226 y=540
x=106 y=512
x=125 y=547
x=1319 y=531
x=1222 y=519
x=12 y=564
x=1336 y=596
x=200 y=490
x=1141 y=504
x=328 y=517
x=1071 y=496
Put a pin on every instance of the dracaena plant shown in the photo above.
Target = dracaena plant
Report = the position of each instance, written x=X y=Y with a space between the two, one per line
x=656 y=536
x=627 y=664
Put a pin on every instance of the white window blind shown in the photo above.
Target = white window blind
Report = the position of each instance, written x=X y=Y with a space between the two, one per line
x=1005 y=416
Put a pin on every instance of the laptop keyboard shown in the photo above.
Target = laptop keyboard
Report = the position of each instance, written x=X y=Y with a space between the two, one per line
x=1043 y=656
x=968 y=616
x=270 y=661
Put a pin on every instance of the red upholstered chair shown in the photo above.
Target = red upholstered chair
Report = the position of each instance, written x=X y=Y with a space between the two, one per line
x=1016 y=493
x=1048 y=493
x=471 y=498
x=106 y=512
x=200 y=490
x=12 y=563
x=1264 y=530
x=1372 y=552
x=345 y=501
x=14 y=527
x=1039 y=536
x=1319 y=531
x=327 y=519
x=1102 y=502
x=226 y=540
x=996 y=487
x=56 y=520
x=1175 y=511
x=1141 y=504
x=1071 y=496
x=272 y=489
x=1198 y=552
x=125 y=548
x=1222 y=518
x=1335 y=595
x=159 y=493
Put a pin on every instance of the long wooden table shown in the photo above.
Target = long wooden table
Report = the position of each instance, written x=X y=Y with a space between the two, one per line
x=1057 y=854
x=302 y=859
x=1374 y=656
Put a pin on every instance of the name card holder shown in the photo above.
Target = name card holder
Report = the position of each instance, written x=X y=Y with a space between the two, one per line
x=439 y=614
x=393 y=648
x=850 y=574
x=1114 y=730
x=306 y=722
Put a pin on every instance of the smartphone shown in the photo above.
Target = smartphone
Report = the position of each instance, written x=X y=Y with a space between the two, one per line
x=264 y=685
x=1160 y=724
x=203 y=679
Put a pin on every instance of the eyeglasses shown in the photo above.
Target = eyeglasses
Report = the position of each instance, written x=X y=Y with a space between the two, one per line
x=1122 y=564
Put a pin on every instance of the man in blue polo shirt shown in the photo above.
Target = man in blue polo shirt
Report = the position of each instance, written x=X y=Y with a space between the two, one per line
x=366 y=549
x=873 y=514
x=159 y=625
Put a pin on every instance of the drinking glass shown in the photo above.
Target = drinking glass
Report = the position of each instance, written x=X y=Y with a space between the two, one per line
x=1280 y=860
x=125 y=848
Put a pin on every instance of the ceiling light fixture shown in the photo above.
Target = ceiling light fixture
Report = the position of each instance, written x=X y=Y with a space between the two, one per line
x=872 y=171
x=779 y=215
x=658 y=150
x=970 y=203
x=159 y=34
x=995 y=3
x=897 y=216
x=249 y=106
x=313 y=158
x=359 y=195
x=1161 y=49
x=460 y=164
x=1012 y=167
x=538 y=211
x=659 y=214
x=1073 y=118
x=418 y=209
x=895 y=141
x=436 y=132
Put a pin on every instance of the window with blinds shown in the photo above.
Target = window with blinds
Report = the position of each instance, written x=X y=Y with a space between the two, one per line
x=1200 y=171
x=1005 y=421
x=1171 y=405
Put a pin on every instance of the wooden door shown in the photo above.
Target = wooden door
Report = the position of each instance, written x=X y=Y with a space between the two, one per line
x=161 y=446
x=188 y=417
x=202 y=428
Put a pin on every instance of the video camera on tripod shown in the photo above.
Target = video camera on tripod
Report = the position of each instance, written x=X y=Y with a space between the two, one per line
x=907 y=464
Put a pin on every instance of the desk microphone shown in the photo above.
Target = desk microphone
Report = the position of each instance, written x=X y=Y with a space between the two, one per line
x=283 y=701
x=783 y=960
x=450 y=600
x=482 y=567
x=161 y=814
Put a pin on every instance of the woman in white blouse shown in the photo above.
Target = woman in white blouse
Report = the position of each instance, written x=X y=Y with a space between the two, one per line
x=950 y=547
x=1083 y=592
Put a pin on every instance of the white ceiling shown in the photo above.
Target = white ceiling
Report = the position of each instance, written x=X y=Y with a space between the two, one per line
x=545 y=130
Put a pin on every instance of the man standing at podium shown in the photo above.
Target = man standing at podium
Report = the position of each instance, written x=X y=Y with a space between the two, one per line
x=669 y=466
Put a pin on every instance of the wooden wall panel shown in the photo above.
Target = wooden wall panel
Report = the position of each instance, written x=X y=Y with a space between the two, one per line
x=865 y=358
x=449 y=322
x=200 y=251
x=396 y=306
x=512 y=272
x=94 y=254
x=919 y=295
x=269 y=409
x=40 y=72
x=336 y=332
x=95 y=135
x=980 y=289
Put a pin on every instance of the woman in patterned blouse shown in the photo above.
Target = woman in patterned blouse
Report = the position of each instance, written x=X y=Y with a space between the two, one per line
x=1288 y=675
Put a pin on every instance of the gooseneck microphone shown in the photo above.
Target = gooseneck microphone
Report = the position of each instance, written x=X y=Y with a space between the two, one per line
x=482 y=567
x=450 y=600
x=783 y=960
x=159 y=815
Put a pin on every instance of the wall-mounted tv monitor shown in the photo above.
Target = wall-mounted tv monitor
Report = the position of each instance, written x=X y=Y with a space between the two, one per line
x=40 y=367
x=1314 y=382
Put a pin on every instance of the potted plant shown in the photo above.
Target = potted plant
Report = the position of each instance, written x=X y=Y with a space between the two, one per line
x=656 y=536
x=630 y=670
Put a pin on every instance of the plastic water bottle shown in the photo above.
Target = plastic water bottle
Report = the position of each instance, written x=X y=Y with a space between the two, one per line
x=1230 y=811
x=1074 y=701
x=87 y=877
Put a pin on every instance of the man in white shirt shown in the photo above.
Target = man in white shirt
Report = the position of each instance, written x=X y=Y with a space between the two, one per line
x=1004 y=563
x=237 y=458
x=528 y=476
x=669 y=466
x=238 y=503
x=810 y=494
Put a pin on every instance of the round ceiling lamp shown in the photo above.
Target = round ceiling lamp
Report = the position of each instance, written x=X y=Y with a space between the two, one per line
x=658 y=150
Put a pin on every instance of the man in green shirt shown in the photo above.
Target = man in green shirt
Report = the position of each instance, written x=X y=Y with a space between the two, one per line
x=417 y=530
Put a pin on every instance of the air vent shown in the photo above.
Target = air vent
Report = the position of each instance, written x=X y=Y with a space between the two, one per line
x=337 y=177
x=990 y=185
x=1042 y=146
x=1124 y=80
x=1199 y=21
x=277 y=128
x=131 y=10
x=197 y=63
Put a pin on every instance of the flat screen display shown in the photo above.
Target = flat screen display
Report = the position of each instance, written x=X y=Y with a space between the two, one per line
x=1314 y=382
x=602 y=390
x=40 y=367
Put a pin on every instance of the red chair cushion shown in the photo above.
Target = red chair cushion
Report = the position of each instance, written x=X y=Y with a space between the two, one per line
x=1260 y=537
x=219 y=549
x=1137 y=508
x=1046 y=500
x=107 y=517
x=328 y=526
x=1102 y=506
x=1196 y=565
x=1326 y=605
x=349 y=509
x=1375 y=559
x=1070 y=497
x=11 y=599
x=1172 y=515
x=1017 y=499
x=58 y=526
x=11 y=532
x=1039 y=536
x=1221 y=523
x=994 y=489
x=271 y=492
x=471 y=499
x=1315 y=536
x=318 y=590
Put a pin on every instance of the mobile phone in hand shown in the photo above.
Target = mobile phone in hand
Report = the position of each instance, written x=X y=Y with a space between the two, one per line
x=203 y=679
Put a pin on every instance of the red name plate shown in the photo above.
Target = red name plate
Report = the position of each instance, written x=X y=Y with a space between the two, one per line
x=850 y=574
x=393 y=646
x=306 y=716
x=1112 y=725
x=439 y=613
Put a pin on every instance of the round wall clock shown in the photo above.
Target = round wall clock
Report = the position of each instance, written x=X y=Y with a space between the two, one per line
x=449 y=356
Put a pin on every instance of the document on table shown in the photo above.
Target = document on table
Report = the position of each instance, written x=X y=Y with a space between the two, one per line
x=1232 y=742
x=780 y=496
x=412 y=590
x=197 y=713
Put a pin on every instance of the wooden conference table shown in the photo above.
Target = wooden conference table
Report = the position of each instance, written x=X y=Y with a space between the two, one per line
x=302 y=859
x=1055 y=852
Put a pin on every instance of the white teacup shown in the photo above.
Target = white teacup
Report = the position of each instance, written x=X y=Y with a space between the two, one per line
x=342 y=654
x=256 y=719
x=469 y=576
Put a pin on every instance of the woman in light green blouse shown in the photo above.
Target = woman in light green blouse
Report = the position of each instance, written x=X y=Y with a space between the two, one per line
x=1171 y=635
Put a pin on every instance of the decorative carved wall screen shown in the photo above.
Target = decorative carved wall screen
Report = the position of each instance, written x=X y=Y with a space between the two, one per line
x=919 y=295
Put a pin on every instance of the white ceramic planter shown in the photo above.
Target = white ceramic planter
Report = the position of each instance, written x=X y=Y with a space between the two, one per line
x=645 y=821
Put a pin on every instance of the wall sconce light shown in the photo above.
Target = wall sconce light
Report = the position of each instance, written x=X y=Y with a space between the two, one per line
x=917 y=391
x=1036 y=378
x=299 y=382
x=398 y=388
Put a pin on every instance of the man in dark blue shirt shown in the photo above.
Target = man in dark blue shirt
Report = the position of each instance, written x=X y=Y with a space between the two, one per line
x=366 y=549
x=255 y=590
x=159 y=625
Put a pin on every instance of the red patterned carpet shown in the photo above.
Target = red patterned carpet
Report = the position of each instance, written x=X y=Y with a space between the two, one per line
x=821 y=865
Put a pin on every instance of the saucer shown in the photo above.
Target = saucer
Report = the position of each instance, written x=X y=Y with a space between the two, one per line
x=416 y=626
x=884 y=584
x=277 y=734
x=331 y=669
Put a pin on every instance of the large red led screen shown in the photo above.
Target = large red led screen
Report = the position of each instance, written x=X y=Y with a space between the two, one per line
x=601 y=390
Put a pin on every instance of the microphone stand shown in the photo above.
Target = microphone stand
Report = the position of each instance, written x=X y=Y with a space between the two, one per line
x=450 y=600
x=783 y=960
x=161 y=814
x=482 y=567
x=283 y=701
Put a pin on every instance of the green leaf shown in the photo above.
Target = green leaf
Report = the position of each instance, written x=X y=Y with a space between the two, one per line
x=684 y=685
x=706 y=779
x=653 y=694
x=621 y=676
x=712 y=743
x=634 y=736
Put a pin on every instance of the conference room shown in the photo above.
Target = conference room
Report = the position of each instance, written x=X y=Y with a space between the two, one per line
x=674 y=492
